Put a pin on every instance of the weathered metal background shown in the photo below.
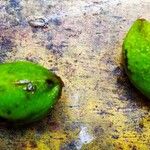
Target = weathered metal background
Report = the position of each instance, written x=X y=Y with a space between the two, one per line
x=81 y=41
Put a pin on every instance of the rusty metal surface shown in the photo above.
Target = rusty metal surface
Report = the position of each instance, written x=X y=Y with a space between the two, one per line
x=80 y=41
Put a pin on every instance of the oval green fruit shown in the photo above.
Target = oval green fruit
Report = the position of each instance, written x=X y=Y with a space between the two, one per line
x=136 y=50
x=27 y=91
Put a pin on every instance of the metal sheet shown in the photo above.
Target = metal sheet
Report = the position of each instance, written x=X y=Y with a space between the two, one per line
x=81 y=41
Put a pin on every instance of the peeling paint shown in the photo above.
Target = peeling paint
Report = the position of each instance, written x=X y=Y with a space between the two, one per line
x=84 y=138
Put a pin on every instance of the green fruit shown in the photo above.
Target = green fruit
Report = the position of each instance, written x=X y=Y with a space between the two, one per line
x=27 y=91
x=136 y=50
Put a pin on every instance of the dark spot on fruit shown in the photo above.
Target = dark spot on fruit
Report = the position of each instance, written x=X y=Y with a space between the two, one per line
x=16 y=105
x=8 y=112
x=49 y=82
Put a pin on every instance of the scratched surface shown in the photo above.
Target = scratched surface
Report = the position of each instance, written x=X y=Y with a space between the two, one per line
x=81 y=42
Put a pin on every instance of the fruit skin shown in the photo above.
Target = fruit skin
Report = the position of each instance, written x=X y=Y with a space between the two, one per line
x=136 y=52
x=27 y=91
